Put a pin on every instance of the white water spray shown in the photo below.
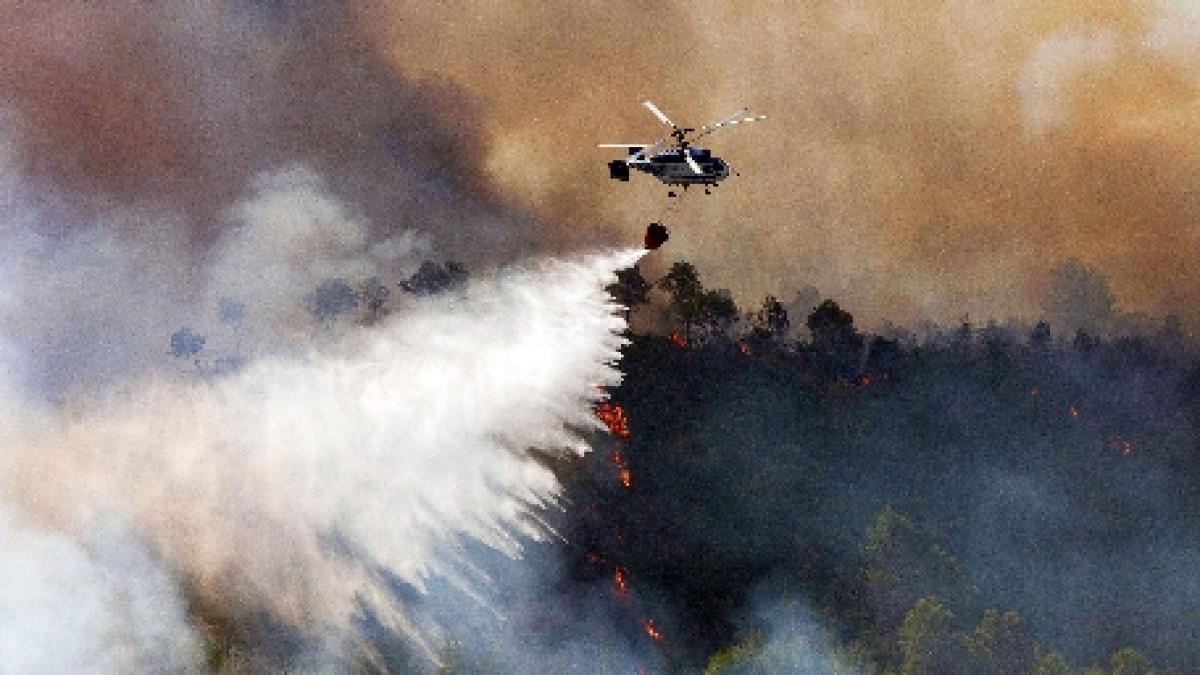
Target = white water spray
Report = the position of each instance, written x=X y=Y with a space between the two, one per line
x=304 y=487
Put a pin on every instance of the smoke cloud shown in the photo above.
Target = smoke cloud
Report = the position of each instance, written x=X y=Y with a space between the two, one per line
x=932 y=160
x=99 y=604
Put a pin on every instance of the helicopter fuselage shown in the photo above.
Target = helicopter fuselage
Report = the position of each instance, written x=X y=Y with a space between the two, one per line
x=683 y=163
x=672 y=168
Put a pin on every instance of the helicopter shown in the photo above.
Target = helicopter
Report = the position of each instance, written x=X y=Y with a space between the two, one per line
x=681 y=163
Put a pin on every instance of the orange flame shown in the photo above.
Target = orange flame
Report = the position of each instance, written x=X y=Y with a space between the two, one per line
x=745 y=349
x=614 y=418
x=1073 y=411
x=623 y=473
x=652 y=630
x=621 y=581
x=677 y=339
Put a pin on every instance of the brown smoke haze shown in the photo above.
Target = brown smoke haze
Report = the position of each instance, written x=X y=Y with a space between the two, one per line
x=928 y=158
x=179 y=105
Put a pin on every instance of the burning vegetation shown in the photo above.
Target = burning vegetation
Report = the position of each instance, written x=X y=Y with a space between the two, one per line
x=613 y=416
x=909 y=494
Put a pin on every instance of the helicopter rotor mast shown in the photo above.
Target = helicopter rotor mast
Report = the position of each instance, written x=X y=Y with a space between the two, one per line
x=679 y=134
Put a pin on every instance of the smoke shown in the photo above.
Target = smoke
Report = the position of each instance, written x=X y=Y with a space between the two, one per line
x=923 y=161
x=98 y=302
x=1045 y=84
x=98 y=603
x=1079 y=299
x=176 y=107
x=786 y=637
x=292 y=487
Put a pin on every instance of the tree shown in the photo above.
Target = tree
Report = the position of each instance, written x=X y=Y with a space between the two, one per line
x=883 y=355
x=687 y=295
x=374 y=294
x=1002 y=645
x=902 y=566
x=1050 y=662
x=718 y=311
x=186 y=342
x=1129 y=661
x=837 y=346
x=332 y=298
x=1084 y=343
x=930 y=642
x=630 y=289
x=772 y=319
x=432 y=278
x=1039 y=337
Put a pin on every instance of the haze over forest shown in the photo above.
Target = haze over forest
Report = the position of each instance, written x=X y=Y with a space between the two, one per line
x=326 y=342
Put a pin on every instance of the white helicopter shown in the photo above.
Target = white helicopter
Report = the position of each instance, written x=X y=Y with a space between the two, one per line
x=681 y=163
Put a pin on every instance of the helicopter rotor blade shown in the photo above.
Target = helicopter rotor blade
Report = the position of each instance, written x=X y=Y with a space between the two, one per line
x=659 y=114
x=725 y=120
x=720 y=125
x=692 y=162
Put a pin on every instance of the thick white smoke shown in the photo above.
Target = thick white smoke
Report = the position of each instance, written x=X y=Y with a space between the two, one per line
x=97 y=604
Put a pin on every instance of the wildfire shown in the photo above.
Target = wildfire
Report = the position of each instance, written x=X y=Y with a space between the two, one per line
x=677 y=339
x=864 y=381
x=614 y=418
x=621 y=581
x=745 y=349
x=1074 y=412
x=652 y=630
x=623 y=473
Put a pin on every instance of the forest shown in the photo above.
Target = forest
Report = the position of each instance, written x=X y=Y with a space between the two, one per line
x=781 y=491
x=981 y=500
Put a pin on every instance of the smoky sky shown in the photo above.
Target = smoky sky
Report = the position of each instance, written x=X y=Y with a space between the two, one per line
x=178 y=106
x=937 y=158
x=932 y=159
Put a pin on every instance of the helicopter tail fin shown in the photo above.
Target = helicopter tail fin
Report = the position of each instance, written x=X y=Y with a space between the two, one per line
x=618 y=170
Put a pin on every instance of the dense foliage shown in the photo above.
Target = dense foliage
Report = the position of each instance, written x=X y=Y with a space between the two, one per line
x=983 y=501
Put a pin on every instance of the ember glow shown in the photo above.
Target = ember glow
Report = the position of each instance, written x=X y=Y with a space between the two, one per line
x=623 y=473
x=621 y=581
x=613 y=416
x=677 y=339
x=652 y=630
